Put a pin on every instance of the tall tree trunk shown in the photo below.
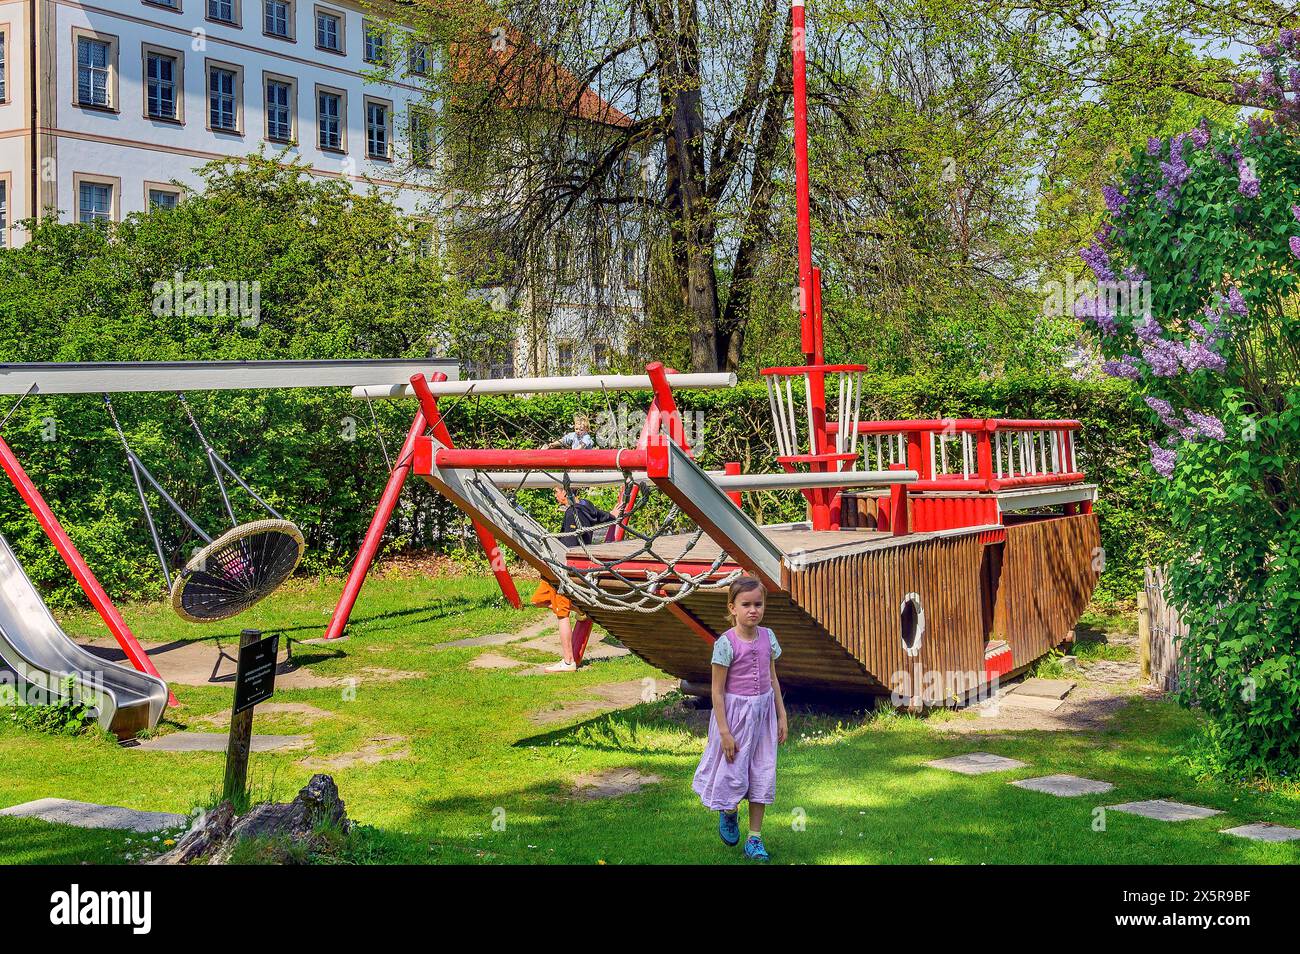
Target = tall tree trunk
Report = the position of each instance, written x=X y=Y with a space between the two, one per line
x=730 y=337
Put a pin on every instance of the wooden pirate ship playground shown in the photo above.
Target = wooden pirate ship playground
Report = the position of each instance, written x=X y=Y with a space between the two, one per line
x=937 y=556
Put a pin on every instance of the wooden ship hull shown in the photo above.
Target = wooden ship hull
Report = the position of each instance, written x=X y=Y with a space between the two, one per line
x=994 y=601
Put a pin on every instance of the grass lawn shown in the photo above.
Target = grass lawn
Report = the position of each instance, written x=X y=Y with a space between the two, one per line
x=482 y=781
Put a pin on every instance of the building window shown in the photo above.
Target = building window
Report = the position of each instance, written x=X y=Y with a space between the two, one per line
x=502 y=364
x=169 y=4
x=421 y=138
x=94 y=72
x=378 y=130
x=94 y=202
x=4 y=66
x=223 y=99
x=600 y=354
x=564 y=352
x=376 y=45
x=329 y=119
x=279 y=110
x=4 y=214
x=631 y=267
x=277 y=18
x=163 y=198
x=329 y=31
x=222 y=11
x=162 y=72
x=417 y=58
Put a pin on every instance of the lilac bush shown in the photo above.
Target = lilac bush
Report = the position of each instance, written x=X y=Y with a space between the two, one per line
x=1211 y=218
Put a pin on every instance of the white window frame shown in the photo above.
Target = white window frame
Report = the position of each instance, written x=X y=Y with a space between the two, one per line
x=236 y=13
x=342 y=95
x=110 y=83
x=115 y=193
x=340 y=33
x=178 y=82
x=289 y=81
x=291 y=23
x=376 y=29
x=238 y=71
x=152 y=187
x=369 y=101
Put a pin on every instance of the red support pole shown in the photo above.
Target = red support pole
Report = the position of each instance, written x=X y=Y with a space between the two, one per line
x=375 y=533
x=733 y=467
x=429 y=406
x=898 y=505
x=72 y=557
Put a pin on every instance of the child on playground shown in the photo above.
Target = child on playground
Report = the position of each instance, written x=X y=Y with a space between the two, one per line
x=579 y=515
x=748 y=723
x=577 y=439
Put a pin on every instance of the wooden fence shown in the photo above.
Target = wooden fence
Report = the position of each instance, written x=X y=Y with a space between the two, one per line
x=1159 y=630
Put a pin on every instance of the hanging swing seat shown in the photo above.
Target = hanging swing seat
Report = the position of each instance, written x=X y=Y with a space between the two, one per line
x=241 y=567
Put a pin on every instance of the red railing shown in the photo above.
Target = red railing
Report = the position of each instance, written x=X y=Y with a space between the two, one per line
x=975 y=454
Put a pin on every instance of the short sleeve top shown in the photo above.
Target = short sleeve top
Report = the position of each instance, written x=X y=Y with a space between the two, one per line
x=722 y=648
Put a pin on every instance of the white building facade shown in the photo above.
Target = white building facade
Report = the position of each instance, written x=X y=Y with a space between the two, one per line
x=106 y=107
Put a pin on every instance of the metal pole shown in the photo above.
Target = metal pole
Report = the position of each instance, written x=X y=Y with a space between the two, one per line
x=89 y=585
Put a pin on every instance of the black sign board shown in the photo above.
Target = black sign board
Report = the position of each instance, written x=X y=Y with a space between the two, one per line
x=255 y=681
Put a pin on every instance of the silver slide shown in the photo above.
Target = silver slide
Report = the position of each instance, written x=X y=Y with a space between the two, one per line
x=35 y=647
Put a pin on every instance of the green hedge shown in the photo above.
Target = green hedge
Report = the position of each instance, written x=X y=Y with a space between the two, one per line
x=317 y=458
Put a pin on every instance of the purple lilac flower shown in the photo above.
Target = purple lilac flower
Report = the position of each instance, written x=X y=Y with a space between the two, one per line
x=1095 y=257
x=1268 y=84
x=1148 y=329
x=1268 y=51
x=1154 y=145
x=1295 y=245
x=1095 y=309
x=1200 y=136
x=1248 y=184
x=1258 y=127
x=1288 y=39
x=1198 y=356
x=1125 y=367
x=1293 y=78
x=1205 y=425
x=1134 y=274
x=1174 y=172
x=1295 y=210
x=1163 y=459
x=1164 y=410
x=1164 y=357
x=1236 y=304
x=1115 y=200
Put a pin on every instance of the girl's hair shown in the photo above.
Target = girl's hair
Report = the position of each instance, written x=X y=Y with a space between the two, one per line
x=742 y=585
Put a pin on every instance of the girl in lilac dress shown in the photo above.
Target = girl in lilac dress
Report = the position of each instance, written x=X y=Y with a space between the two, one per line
x=748 y=721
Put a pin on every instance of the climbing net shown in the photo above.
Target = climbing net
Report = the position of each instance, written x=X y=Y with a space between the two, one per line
x=657 y=544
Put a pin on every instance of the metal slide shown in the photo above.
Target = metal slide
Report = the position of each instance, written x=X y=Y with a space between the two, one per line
x=35 y=647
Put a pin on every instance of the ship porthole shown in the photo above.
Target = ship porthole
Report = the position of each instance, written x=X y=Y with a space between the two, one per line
x=911 y=623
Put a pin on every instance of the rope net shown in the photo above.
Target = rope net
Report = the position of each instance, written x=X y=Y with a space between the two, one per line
x=645 y=548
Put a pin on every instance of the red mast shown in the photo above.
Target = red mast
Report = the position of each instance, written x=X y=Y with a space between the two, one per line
x=810 y=297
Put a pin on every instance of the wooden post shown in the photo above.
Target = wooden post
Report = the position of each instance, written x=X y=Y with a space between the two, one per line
x=241 y=738
x=1144 y=634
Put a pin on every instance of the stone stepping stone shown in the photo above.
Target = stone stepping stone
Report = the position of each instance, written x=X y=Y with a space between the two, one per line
x=1162 y=810
x=1066 y=786
x=63 y=811
x=1264 y=831
x=1044 y=688
x=1014 y=700
x=976 y=763
x=216 y=742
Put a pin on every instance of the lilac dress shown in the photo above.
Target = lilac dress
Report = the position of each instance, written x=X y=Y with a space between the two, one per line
x=751 y=716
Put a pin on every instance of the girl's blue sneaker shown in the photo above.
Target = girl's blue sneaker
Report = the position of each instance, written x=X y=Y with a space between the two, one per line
x=729 y=827
x=754 y=849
